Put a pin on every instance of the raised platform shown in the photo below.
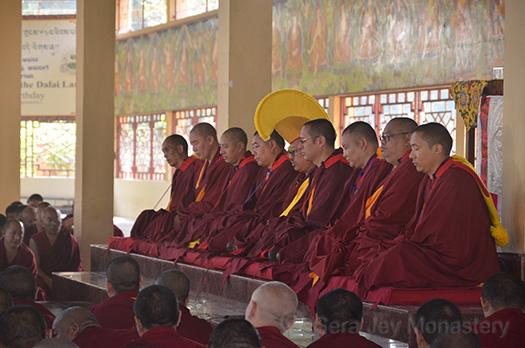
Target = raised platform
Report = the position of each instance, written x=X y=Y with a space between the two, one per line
x=393 y=323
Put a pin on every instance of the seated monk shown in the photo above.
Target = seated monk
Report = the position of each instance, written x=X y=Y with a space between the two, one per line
x=123 y=281
x=359 y=142
x=156 y=318
x=435 y=318
x=503 y=302
x=380 y=208
x=175 y=150
x=6 y=300
x=38 y=226
x=448 y=241
x=322 y=195
x=235 y=333
x=272 y=311
x=12 y=251
x=11 y=211
x=27 y=215
x=269 y=194
x=338 y=319
x=190 y=326
x=55 y=250
x=22 y=326
x=21 y=284
x=241 y=183
x=34 y=200
x=79 y=325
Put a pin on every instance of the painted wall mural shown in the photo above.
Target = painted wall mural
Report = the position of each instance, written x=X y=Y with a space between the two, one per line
x=167 y=70
x=322 y=47
x=347 y=46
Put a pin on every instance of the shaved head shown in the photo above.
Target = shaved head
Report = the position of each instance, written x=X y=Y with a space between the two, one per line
x=204 y=130
x=6 y=300
x=79 y=317
x=404 y=124
x=176 y=140
x=55 y=343
x=435 y=133
x=272 y=304
x=321 y=127
x=177 y=282
x=19 y=282
x=360 y=129
x=123 y=273
x=237 y=135
x=21 y=326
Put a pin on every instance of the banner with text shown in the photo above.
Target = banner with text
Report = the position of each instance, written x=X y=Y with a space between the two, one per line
x=48 y=67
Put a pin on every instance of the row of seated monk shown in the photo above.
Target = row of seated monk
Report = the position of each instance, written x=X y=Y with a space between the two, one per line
x=36 y=237
x=407 y=216
x=157 y=316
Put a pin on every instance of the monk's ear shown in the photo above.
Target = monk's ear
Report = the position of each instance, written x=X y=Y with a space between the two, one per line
x=74 y=330
x=361 y=324
x=484 y=304
x=437 y=149
x=139 y=326
x=291 y=323
x=140 y=283
x=109 y=289
x=180 y=149
x=419 y=338
x=253 y=309
x=318 y=325
x=180 y=317
x=49 y=334
x=321 y=140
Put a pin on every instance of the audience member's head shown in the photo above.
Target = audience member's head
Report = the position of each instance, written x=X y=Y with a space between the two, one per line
x=502 y=291
x=272 y=304
x=40 y=215
x=13 y=234
x=27 y=215
x=12 y=209
x=175 y=150
x=51 y=221
x=233 y=145
x=21 y=326
x=339 y=310
x=297 y=160
x=431 y=144
x=71 y=322
x=177 y=282
x=19 y=282
x=155 y=306
x=436 y=317
x=359 y=142
x=235 y=333
x=55 y=343
x=317 y=140
x=34 y=200
x=123 y=274
x=265 y=152
x=6 y=300
x=3 y=220
x=203 y=139
x=456 y=340
x=395 y=140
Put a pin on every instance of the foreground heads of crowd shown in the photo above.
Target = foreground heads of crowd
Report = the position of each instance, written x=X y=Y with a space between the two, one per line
x=157 y=316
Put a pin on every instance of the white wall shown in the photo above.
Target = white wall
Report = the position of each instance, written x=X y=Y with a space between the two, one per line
x=133 y=196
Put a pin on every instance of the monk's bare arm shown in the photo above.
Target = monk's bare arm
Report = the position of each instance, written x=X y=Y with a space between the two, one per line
x=41 y=274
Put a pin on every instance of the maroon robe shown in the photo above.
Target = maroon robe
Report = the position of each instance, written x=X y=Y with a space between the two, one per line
x=63 y=256
x=354 y=192
x=504 y=328
x=192 y=327
x=447 y=243
x=161 y=336
x=28 y=233
x=48 y=316
x=343 y=339
x=24 y=257
x=241 y=184
x=393 y=208
x=269 y=203
x=272 y=337
x=95 y=337
x=182 y=186
x=116 y=312
x=321 y=199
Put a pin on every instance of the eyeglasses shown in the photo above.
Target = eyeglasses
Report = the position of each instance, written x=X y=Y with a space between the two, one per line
x=304 y=140
x=385 y=137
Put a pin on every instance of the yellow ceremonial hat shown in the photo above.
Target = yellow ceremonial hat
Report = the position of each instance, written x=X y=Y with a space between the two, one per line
x=286 y=111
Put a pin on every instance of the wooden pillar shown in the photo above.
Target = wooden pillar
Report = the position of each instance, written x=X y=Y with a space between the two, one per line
x=245 y=59
x=10 y=70
x=95 y=124
x=513 y=198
